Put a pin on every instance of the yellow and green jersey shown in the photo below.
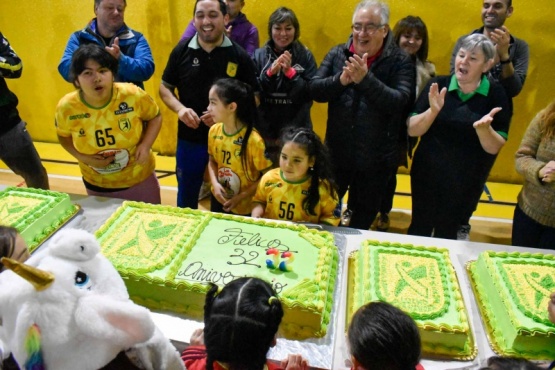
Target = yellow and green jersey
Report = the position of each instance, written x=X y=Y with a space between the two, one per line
x=225 y=149
x=283 y=200
x=114 y=129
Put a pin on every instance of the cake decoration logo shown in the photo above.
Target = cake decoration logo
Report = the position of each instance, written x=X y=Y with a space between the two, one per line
x=416 y=286
x=530 y=286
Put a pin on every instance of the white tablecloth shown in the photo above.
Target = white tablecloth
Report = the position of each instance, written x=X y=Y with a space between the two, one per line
x=95 y=210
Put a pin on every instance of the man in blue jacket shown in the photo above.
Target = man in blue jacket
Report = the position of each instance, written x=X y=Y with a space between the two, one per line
x=108 y=29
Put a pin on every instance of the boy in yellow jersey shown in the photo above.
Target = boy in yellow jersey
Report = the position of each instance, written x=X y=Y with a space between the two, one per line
x=109 y=127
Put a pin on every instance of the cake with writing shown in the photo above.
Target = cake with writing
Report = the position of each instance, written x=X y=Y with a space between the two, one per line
x=512 y=290
x=420 y=281
x=167 y=256
x=35 y=213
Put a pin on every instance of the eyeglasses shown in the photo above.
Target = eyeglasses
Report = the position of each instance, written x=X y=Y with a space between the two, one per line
x=369 y=28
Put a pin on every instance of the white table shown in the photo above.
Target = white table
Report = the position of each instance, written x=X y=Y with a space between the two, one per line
x=95 y=210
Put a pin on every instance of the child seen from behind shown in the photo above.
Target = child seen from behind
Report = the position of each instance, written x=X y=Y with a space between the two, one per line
x=240 y=326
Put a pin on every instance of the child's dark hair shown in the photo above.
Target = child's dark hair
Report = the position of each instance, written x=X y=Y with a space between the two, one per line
x=509 y=363
x=240 y=323
x=321 y=171
x=94 y=52
x=381 y=336
x=8 y=237
x=231 y=90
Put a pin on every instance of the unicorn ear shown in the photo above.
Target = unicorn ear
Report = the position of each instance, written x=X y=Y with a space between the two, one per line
x=120 y=322
x=74 y=244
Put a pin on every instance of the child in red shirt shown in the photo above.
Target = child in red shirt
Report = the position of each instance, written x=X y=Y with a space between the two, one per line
x=240 y=326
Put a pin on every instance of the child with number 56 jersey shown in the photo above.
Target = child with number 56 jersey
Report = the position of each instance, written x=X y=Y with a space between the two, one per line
x=302 y=188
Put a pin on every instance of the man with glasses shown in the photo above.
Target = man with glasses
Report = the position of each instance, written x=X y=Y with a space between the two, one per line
x=369 y=84
x=109 y=30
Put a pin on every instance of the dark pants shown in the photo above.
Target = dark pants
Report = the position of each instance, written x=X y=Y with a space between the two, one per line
x=387 y=201
x=529 y=233
x=366 y=188
x=19 y=154
x=190 y=162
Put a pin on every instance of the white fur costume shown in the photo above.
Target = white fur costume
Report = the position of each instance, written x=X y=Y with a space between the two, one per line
x=84 y=315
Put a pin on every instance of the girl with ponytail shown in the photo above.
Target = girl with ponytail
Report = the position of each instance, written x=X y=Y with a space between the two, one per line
x=240 y=326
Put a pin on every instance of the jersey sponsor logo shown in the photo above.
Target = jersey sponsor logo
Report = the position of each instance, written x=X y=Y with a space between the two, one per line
x=79 y=116
x=239 y=141
x=124 y=124
x=231 y=69
x=124 y=108
x=81 y=132
x=218 y=137
x=272 y=184
x=196 y=62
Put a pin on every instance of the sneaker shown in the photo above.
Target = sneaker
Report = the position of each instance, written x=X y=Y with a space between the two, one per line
x=346 y=217
x=383 y=222
x=204 y=191
x=464 y=233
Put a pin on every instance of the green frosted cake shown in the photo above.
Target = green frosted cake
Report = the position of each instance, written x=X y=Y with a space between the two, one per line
x=35 y=213
x=512 y=291
x=167 y=256
x=422 y=282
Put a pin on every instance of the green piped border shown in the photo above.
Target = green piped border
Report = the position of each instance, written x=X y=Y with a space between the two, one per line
x=495 y=345
x=470 y=350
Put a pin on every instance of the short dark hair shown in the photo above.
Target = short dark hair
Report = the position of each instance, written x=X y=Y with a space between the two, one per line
x=381 y=336
x=509 y=363
x=240 y=323
x=223 y=7
x=8 y=237
x=281 y=15
x=97 y=2
x=91 y=51
x=407 y=25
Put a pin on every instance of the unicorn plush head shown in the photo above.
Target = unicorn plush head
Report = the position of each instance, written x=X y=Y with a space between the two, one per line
x=72 y=310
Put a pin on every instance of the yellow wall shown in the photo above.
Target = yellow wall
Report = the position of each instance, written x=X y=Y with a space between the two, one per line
x=38 y=31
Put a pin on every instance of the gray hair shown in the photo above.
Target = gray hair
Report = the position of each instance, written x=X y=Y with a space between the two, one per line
x=480 y=42
x=383 y=9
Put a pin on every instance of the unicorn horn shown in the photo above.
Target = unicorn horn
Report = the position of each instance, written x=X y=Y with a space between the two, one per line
x=38 y=278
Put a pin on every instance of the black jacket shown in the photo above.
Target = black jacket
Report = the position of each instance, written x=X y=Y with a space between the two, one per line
x=284 y=101
x=364 y=119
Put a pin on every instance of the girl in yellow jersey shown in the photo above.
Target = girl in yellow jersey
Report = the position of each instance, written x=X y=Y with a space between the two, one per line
x=109 y=127
x=302 y=188
x=236 y=150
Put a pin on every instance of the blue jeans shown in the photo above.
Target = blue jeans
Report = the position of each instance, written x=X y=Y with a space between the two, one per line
x=190 y=162
x=19 y=154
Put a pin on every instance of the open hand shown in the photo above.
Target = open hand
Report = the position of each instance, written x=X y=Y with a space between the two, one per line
x=485 y=121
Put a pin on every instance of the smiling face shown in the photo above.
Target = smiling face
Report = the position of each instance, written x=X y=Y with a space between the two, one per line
x=96 y=83
x=109 y=16
x=220 y=111
x=495 y=12
x=372 y=32
x=410 y=41
x=283 y=34
x=470 y=65
x=210 y=23
x=294 y=162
